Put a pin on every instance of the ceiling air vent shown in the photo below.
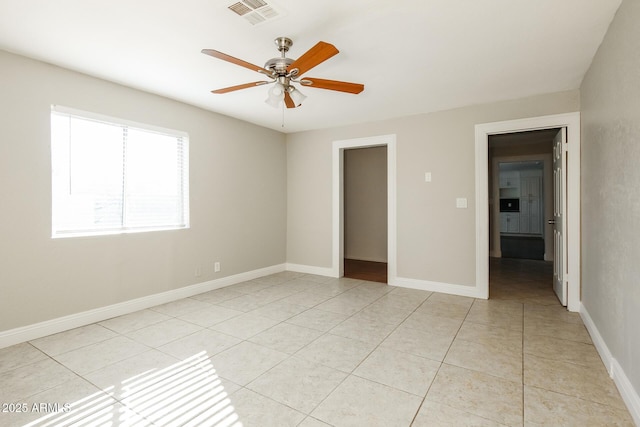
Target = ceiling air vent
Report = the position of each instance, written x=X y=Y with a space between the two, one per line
x=240 y=8
x=255 y=11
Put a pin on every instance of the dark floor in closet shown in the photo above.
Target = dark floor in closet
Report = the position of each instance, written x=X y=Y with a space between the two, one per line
x=365 y=270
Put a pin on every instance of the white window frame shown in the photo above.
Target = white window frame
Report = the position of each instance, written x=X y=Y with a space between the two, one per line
x=57 y=186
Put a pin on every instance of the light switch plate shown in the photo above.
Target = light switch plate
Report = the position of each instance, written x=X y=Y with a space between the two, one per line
x=427 y=177
x=461 y=202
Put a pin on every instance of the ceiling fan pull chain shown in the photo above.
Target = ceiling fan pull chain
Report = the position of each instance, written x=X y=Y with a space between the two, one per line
x=282 y=114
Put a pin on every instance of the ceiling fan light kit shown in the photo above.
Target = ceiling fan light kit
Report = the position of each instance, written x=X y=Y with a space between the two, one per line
x=297 y=96
x=275 y=95
x=284 y=72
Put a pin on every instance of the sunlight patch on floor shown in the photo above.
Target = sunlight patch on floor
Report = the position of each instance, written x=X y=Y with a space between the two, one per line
x=186 y=393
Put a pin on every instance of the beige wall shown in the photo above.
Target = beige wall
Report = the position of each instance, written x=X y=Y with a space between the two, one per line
x=238 y=199
x=611 y=190
x=365 y=204
x=436 y=241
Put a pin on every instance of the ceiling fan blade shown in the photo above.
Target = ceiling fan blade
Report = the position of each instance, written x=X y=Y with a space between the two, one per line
x=236 y=61
x=332 y=85
x=314 y=56
x=239 y=87
x=288 y=101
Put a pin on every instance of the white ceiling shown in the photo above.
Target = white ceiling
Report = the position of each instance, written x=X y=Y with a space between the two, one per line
x=413 y=56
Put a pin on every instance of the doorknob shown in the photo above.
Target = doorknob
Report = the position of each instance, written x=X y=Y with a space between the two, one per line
x=551 y=222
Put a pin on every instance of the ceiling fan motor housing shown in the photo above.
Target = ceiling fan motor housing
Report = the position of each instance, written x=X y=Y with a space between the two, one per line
x=278 y=65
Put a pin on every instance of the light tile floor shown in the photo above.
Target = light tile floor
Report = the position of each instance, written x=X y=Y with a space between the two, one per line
x=302 y=350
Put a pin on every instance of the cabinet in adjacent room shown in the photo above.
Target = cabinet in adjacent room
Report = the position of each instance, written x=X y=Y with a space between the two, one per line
x=509 y=222
x=510 y=179
x=531 y=204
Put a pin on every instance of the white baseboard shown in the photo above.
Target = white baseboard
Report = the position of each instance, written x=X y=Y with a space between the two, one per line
x=597 y=339
x=310 y=269
x=629 y=394
x=401 y=282
x=445 y=288
x=42 y=329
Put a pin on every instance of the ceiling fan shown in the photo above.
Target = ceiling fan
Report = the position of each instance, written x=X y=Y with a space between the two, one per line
x=284 y=72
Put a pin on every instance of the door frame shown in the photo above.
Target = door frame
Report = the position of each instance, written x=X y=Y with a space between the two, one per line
x=338 y=148
x=482 y=132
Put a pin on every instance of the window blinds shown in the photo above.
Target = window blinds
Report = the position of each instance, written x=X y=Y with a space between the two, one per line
x=114 y=176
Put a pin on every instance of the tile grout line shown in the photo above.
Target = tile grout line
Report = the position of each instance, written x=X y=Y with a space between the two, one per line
x=424 y=399
x=290 y=356
x=351 y=373
x=440 y=362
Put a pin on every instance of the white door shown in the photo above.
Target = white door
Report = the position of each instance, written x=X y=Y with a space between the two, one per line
x=559 y=215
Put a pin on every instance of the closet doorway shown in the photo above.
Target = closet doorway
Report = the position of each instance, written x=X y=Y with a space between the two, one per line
x=387 y=143
x=365 y=213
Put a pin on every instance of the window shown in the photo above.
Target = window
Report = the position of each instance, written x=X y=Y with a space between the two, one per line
x=112 y=176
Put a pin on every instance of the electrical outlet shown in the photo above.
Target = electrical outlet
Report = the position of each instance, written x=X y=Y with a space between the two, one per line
x=216 y=266
x=197 y=272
